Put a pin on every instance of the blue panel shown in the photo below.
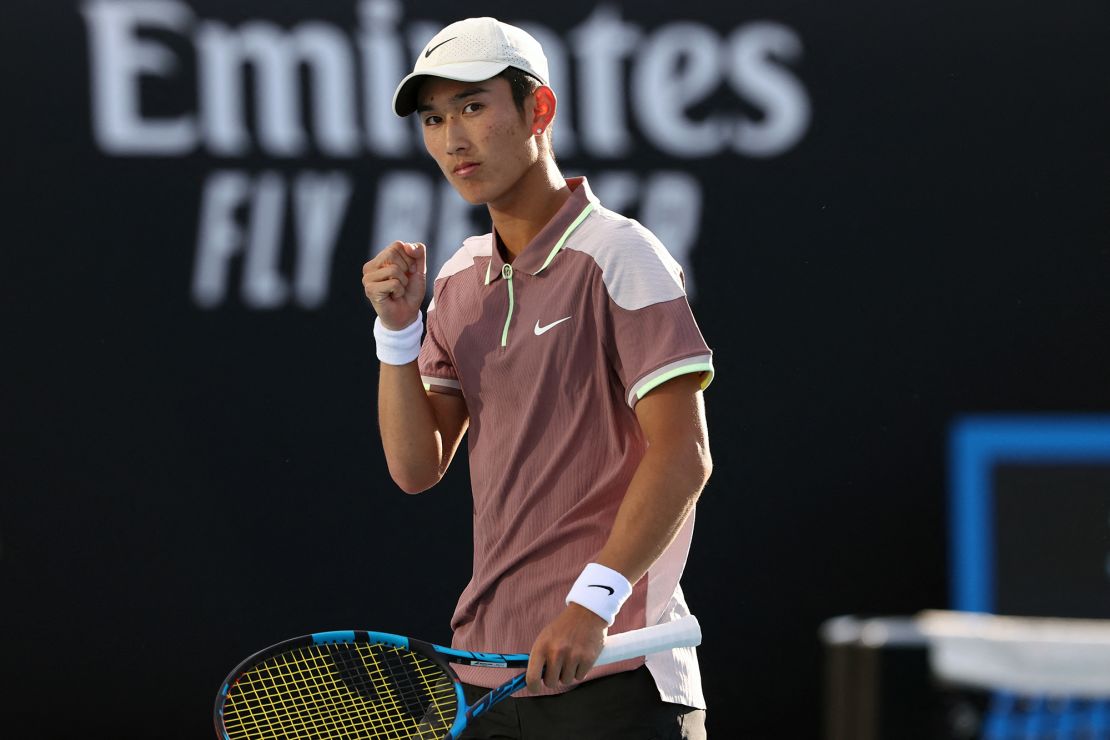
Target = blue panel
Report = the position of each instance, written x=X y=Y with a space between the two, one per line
x=484 y=657
x=976 y=445
x=339 y=636
x=385 y=638
x=220 y=699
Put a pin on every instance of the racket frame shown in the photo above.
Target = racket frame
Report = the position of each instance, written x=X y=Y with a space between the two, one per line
x=441 y=656
x=684 y=632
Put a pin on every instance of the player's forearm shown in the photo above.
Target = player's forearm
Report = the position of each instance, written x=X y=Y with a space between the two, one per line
x=410 y=431
x=663 y=490
x=662 y=493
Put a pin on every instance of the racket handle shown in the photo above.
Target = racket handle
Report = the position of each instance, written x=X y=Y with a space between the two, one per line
x=684 y=632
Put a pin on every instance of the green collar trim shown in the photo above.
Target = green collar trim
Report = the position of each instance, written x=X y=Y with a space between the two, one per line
x=562 y=240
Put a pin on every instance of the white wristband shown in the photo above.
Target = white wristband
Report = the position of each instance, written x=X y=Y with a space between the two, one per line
x=399 y=347
x=601 y=590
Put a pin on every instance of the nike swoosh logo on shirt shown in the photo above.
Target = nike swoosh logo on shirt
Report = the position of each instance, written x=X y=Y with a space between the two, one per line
x=428 y=53
x=607 y=588
x=541 y=329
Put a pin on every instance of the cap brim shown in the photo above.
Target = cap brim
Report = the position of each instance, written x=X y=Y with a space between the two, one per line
x=404 y=99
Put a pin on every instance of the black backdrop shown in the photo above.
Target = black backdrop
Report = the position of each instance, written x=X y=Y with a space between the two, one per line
x=190 y=476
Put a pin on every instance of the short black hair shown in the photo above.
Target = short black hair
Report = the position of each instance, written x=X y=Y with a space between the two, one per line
x=521 y=84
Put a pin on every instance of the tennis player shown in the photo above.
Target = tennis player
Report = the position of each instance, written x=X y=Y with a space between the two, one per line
x=564 y=341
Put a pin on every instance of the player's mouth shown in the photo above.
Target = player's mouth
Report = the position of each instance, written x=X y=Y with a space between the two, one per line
x=466 y=169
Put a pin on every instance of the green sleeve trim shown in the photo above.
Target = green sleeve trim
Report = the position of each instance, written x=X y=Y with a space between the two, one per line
x=562 y=240
x=430 y=381
x=697 y=367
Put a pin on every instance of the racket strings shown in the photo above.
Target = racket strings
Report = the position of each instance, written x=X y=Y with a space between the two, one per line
x=344 y=690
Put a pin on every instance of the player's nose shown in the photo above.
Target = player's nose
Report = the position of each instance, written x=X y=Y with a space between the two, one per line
x=454 y=136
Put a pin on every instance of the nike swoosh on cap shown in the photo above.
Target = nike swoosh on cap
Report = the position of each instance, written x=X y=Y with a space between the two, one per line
x=428 y=53
x=541 y=329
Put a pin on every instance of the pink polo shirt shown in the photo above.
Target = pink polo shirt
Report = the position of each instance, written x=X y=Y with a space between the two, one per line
x=551 y=354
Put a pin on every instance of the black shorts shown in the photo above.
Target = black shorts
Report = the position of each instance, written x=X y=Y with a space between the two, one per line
x=624 y=706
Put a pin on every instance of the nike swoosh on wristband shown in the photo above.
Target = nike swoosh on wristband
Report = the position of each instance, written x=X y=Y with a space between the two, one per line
x=541 y=329
x=607 y=588
x=428 y=53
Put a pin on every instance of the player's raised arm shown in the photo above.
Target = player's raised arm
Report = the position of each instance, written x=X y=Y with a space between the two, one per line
x=420 y=431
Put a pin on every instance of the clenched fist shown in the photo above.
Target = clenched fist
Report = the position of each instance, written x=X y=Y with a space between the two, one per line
x=395 y=281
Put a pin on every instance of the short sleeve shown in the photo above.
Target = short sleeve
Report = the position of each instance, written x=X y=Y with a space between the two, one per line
x=437 y=369
x=657 y=343
x=653 y=336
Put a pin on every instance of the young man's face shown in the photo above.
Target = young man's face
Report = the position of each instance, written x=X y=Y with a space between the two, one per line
x=476 y=134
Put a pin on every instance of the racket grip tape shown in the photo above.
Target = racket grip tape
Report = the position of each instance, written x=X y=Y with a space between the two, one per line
x=684 y=632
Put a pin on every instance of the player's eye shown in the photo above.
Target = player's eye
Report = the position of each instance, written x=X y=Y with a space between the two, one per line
x=472 y=107
x=432 y=120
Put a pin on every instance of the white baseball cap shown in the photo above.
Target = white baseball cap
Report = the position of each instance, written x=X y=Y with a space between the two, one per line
x=472 y=50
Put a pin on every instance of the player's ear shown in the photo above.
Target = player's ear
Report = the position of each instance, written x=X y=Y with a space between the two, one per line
x=543 y=112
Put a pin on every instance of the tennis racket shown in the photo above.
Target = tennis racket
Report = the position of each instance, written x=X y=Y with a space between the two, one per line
x=332 y=685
